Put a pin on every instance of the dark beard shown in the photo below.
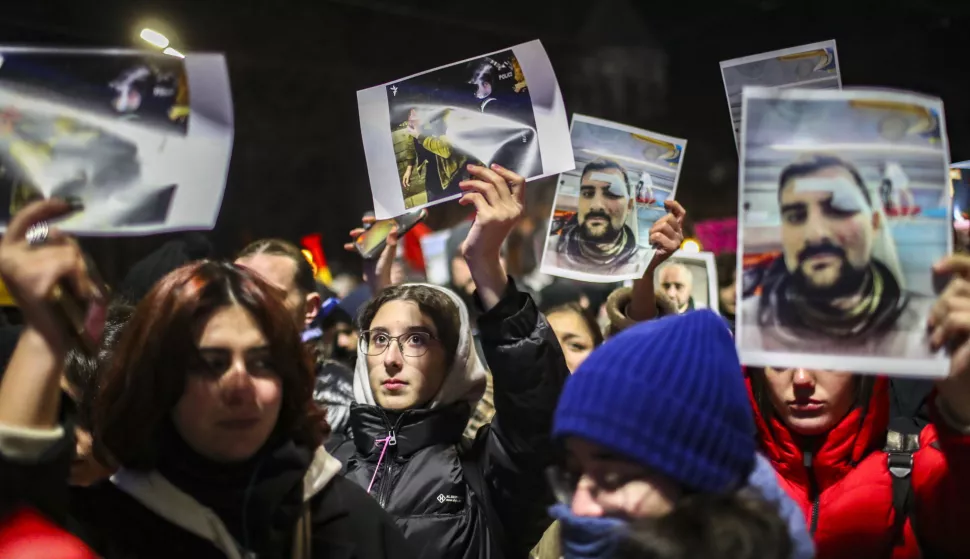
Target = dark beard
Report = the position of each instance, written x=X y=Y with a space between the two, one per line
x=342 y=355
x=610 y=235
x=849 y=282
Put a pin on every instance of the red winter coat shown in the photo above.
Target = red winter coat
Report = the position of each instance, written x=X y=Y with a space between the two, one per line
x=847 y=484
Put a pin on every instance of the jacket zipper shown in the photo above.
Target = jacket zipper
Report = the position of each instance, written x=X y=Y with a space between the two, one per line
x=813 y=492
x=386 y=486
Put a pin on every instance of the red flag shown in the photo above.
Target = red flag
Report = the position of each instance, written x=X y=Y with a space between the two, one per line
x=412 y=247
x=313 y=251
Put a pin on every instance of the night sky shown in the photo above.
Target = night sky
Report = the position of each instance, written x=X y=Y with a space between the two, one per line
x=298 y=163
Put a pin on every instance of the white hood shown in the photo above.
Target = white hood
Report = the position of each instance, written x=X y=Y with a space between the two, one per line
x=465 y=380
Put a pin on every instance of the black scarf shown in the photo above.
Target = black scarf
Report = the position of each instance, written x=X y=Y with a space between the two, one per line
x=882 y=303
x=258 y=500
x=581 y=252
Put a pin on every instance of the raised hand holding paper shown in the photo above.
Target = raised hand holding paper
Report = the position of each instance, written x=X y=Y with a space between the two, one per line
x=605 y=207
x=420 y=133
x=814 y=66
x=836 y=275
x=143 y=140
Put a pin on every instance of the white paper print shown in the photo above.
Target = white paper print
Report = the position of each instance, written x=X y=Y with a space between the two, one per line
x=142 y=139
x=605 y=207
x=814 y=66
x=420 y=133
x=845 y=204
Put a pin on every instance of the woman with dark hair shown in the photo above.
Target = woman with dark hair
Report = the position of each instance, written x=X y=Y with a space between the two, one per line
x=576 y=330
x=418 y=376
x=206 y=407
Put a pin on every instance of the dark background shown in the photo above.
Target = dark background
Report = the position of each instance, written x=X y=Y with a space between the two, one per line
x=298 y=164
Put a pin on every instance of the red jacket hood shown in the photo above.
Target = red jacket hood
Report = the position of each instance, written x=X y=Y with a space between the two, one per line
x=862 y=431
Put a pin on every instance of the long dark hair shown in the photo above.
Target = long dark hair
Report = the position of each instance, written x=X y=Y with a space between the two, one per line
x=146 y=377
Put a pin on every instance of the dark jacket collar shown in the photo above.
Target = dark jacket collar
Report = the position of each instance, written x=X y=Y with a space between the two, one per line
x=413 y=429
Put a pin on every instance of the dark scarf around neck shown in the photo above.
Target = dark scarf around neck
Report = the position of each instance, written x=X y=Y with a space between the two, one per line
x=258 y=500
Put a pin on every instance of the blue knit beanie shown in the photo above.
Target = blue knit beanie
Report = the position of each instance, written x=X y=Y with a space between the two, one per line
x=668 y=394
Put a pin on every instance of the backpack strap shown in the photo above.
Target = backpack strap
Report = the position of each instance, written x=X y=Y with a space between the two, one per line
x=899 y=454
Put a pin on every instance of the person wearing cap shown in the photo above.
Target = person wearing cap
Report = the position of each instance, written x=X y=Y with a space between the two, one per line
x=657 y=413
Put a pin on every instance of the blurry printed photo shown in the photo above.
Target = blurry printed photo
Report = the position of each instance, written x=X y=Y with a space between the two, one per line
x=845 y=205
x=499 y=108
x=437 y=262
x=960 y=177
x=689 y=281
x=814 y=66
x=116 y=130
x=605 y=207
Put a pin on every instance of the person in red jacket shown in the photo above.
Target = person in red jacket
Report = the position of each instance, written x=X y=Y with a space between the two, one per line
x=825 y=432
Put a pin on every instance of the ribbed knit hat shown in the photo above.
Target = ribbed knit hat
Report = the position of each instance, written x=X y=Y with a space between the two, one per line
x=668 y=394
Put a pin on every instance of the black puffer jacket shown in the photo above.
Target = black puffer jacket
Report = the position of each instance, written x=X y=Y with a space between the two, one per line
x=488 y=498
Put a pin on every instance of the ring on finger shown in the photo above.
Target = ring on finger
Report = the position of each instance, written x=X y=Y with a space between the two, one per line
x=38 y=233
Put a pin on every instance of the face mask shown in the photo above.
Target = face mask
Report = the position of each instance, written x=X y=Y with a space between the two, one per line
x=587 y=537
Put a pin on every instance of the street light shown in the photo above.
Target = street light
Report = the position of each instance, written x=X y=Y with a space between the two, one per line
x=154 y=38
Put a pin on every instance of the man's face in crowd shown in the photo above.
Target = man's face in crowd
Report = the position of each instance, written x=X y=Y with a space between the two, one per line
x=827 y=231
x=677 y=283
x=345 y=342
x=604 y=203
x=280 y=271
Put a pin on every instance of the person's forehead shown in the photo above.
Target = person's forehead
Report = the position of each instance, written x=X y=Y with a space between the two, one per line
x=797 y=188
x=275 y=268
x=587 y=180
x=675 y=271
x=400 y=315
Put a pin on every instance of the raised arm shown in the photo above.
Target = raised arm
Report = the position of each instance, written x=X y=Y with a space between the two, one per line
x=527 y=366
x=941 y=470
x=666 y=236
x=34 y=456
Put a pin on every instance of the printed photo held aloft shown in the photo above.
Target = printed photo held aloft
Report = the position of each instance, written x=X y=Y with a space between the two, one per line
x=142 y=139
x=689 y=280
x=814 y=66
x=420 y=133
x=845 y=206
x=605 y=207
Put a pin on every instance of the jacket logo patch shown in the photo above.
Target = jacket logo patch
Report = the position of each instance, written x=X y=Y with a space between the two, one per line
x=442 y=498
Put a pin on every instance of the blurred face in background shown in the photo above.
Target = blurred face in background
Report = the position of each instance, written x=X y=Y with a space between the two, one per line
x=574 y=336
x=677 y=283
x=603 y=205
x=810 y=402
x=280 y=272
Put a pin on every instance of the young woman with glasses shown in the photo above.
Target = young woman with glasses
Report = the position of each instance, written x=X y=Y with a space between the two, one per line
x=418 y=377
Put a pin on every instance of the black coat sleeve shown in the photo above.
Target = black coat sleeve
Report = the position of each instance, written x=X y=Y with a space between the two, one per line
x=41 y=483
x=529 y=371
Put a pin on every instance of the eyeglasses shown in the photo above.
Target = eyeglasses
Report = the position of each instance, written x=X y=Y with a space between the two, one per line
x=412 y=344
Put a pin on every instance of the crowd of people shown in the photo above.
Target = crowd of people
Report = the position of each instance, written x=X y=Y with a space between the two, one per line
x=235 y=410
